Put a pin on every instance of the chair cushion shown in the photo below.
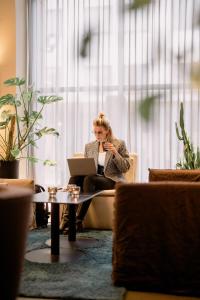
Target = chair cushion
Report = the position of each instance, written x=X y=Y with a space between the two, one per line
x=100 y=213
x=107 y=193
x=173 y=175
x=29 y=183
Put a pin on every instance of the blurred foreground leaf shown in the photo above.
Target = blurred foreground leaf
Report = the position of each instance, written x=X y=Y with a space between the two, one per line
x=136 y=4
x=146 y=107
x=86 y=40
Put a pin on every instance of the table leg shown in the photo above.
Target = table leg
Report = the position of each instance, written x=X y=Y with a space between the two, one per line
x=55 y=242
x=72 y=222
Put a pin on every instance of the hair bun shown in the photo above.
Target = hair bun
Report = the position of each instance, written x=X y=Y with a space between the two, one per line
x=101 y=115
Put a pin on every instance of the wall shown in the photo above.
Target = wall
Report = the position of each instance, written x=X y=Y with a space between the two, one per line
x=12 y=47
x=7 y=43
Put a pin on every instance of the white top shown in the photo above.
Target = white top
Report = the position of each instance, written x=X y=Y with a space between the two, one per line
x=101 y=158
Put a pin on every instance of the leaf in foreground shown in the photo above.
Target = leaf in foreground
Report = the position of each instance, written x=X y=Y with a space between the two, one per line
x=146 y=106
x=136 y=4
x=85 y=44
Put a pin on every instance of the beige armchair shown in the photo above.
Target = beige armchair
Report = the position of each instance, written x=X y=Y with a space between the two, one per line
x=100 y=212
x=25 y=183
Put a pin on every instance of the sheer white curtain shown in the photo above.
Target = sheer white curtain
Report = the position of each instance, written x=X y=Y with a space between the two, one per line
x=133 y=55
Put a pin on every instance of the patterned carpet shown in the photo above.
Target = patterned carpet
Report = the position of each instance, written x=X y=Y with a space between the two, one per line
x=86 y=277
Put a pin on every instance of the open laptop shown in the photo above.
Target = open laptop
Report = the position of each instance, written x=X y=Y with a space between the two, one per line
x=81 y=166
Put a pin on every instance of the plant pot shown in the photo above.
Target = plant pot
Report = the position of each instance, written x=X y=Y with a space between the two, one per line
x=9 y=168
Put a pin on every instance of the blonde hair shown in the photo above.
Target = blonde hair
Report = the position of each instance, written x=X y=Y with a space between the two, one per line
x=101 y=121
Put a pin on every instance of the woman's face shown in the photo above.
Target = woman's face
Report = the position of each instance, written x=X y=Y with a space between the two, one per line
x=100 y=133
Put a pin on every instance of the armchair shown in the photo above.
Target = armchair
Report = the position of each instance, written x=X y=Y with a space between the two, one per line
x=156 y=237
x=15 y=203
x=100 y=212
x=25 y=183
x=174 y=175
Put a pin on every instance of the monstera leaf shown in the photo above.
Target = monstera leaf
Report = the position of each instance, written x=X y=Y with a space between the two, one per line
x=20 y=125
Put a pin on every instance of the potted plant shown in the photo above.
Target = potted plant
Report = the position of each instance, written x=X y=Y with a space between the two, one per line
x=20 y=125
x=191 y=158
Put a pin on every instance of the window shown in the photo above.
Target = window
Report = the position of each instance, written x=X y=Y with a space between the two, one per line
x=133 y=55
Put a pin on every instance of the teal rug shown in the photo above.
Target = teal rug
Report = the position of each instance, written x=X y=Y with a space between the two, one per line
x=88 y=277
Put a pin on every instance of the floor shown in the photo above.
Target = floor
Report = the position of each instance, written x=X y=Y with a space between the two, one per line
x=137 y=296
x=130 y=295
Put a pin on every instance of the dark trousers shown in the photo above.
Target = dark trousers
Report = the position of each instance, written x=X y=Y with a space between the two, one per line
x=88 y=184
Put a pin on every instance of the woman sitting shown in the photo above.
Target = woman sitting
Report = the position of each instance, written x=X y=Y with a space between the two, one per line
x=112 y=160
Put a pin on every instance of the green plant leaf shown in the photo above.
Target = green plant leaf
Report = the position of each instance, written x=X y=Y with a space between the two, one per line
x=7 y=100
x=32 y=159
x=145 y=107
x=87 y=37
x=48 y=162
x=27 y=95
x=179 y=165
x=136 y=4
x=181 y=116
x=35 y=115
x=45 y=131
x=16 y=81
x=177 y=132
x=17 y=103
x=23 y=121
x=15 y=151
x=48 y=99
x=191 y=158
x=29 y=119
x=33 y=143
x=6 y=116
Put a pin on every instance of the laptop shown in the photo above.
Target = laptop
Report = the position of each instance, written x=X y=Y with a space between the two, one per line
x=81 y=166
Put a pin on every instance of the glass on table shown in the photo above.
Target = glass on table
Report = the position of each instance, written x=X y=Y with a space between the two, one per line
x=52 y=191
x=71 y=187
x=76 y=191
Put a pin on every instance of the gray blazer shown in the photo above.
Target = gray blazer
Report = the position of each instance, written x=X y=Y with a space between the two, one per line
x=114 y=166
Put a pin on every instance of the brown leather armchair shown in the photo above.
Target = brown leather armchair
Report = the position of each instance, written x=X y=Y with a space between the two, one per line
x=174 y=175
x=15 y=204
x=156 y=237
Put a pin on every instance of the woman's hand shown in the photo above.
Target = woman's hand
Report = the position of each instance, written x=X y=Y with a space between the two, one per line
x=110 y=147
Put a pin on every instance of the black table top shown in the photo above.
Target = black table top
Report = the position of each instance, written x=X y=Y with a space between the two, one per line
x=62 y=198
